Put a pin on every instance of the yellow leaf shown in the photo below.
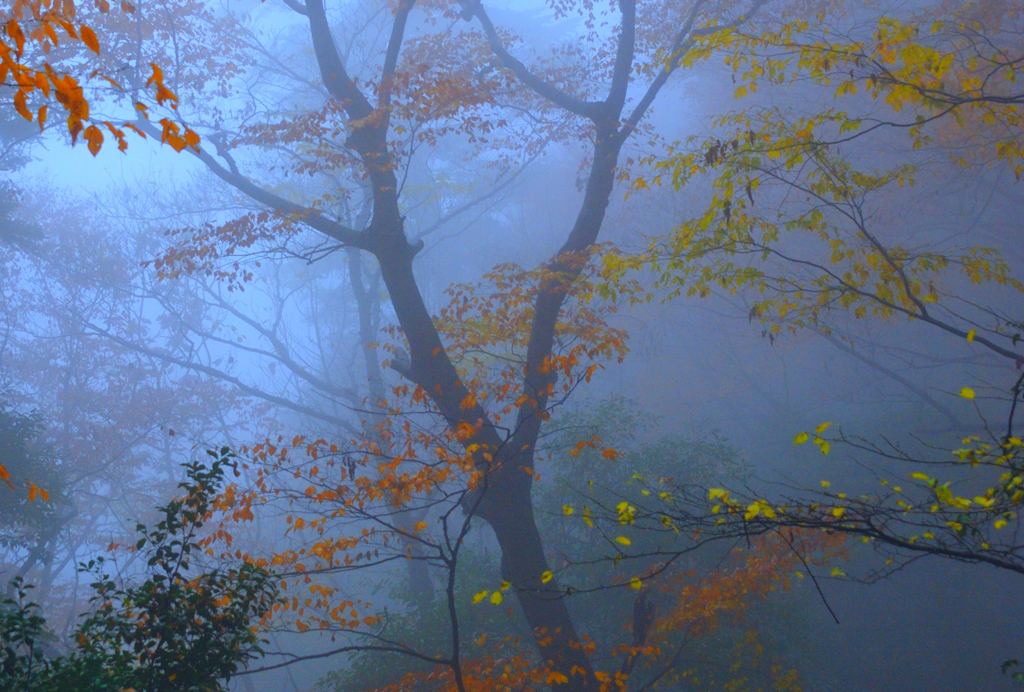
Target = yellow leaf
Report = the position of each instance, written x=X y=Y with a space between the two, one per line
x=623 y=540
x=546 y=576
x=800 y=574
x=821 y=428
x=920 y=476
x=999 y=523
x=971 y=334
x=715 y=493
x=420 y=525
x=505 y=585
x=752 y=511
x=801 y=438
x=479 y=596
x=967 y=393
x=836 y=572
x=825 y=484
x=837 y=512
x=496 y=598
x=635 y=583
x=567 y=510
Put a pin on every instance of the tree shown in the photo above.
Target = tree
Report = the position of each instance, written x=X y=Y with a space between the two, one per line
x=33 y=29
x=110 y=423
x=183 y=628
x=420 y=89
x=794 y=223
x=32 y=524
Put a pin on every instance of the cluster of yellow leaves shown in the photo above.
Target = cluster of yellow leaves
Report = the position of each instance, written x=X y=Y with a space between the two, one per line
x=789 y=219
x=41 y=24
x=928 y=515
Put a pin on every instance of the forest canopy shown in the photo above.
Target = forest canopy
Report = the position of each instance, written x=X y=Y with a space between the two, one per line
x=561 y=344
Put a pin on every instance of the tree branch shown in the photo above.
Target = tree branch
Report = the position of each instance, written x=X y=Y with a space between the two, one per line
x=586 y=109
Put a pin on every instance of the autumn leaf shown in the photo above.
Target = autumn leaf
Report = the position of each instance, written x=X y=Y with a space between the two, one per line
x=35 y=491
x=479 y=596
x=967 y=393
x=801 y=438
x=94 y=136
x=635 y=583
x=157 y=76
x=89 y=38
x=546 y=576
x=20 y=105
x=623 y=540
x=5 y=476
x=496 y=598
x=556 y=678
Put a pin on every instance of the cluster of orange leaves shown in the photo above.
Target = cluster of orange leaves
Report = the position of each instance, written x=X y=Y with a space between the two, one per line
x=34 y=491
x=42 y=23
x=767 y=566
x=206 y=245
x=329 y=487
x=505 y=668
x=487 y=327
x=404 y=454
x=696 y=609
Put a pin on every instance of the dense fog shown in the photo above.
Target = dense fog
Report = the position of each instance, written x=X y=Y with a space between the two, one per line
x=387 y=345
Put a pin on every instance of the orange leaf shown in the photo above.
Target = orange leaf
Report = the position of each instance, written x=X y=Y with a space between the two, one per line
x=94 y=136
x=5 y=477
x=14 y=31
x=75 y=128
x=20 y=105
x=127 y=7
x=35 y=491
x=192 y=139
x=103 y=6
x=157 y=76
x=136 y=130
x=41 y=117
x=89 y=39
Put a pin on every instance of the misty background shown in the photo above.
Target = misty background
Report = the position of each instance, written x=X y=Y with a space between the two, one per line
x=135 y=359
